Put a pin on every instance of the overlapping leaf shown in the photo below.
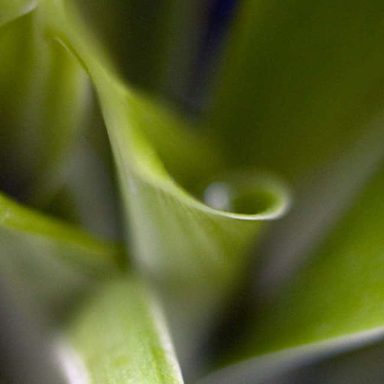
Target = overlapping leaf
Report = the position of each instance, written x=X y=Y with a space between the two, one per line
x=196 y=253
x=50 y=261
x=298 y=86
x=334 y=300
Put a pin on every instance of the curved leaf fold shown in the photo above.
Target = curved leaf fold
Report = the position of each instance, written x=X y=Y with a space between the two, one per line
x=186 y=246
x=333 y=302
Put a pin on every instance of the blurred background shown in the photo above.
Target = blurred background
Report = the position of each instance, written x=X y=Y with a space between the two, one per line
x=292 y=87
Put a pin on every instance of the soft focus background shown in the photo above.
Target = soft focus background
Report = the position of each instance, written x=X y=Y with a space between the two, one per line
x=292 y=88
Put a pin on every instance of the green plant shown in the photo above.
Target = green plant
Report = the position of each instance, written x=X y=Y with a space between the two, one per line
x=298 y=94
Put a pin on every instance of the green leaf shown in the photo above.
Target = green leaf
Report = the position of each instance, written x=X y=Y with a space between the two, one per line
x=193 y=252
x=10 y=10
x=333 y=302
x=42 y=100
x=295 y=250
x=120 y=337
x=298 y=87
x=55 y=261
x=362 y=365
x=339 y=290
x=299 y=82
x=281 y=366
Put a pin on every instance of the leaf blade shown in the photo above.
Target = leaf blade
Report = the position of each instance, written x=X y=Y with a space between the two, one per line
x=122 y=339
x=35 y=246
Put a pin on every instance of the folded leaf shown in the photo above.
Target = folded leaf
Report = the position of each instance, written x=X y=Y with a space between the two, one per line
x=194 y=252
x=120 y=338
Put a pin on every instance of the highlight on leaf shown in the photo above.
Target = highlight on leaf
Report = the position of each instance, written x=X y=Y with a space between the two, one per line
x=297 y=94
x=185 y=246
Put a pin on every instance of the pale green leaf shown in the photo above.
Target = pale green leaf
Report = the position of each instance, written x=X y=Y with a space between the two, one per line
x=120 y=337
